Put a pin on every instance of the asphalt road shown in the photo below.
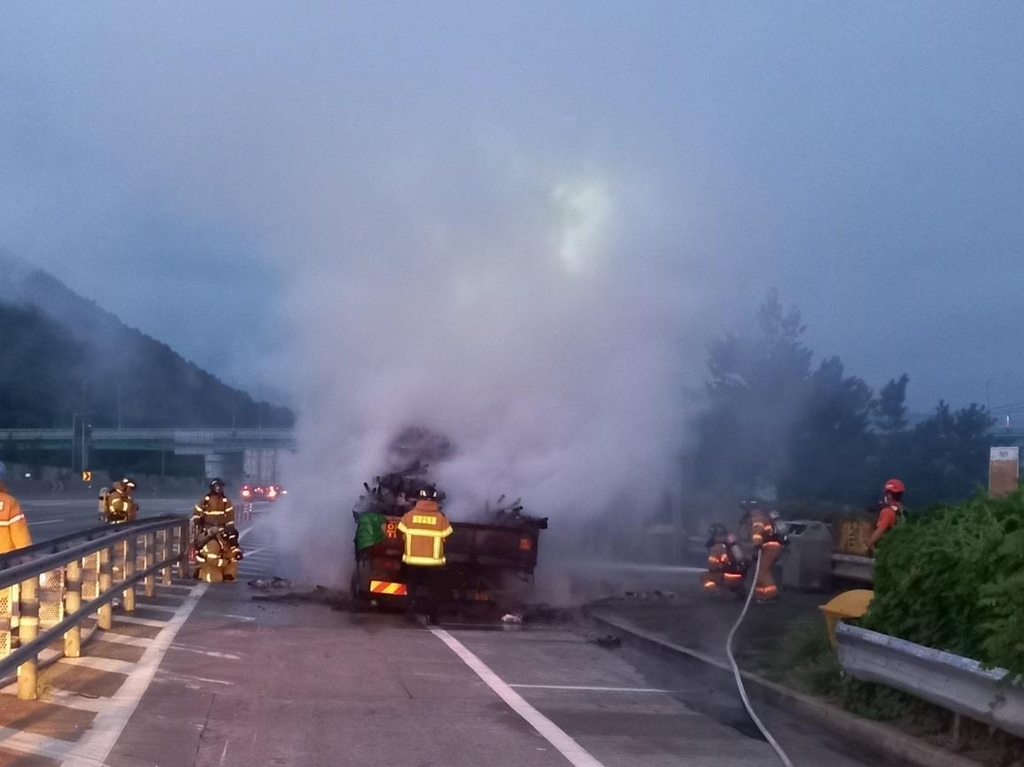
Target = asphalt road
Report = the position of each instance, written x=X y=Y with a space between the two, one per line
x=245 y=682
x=53 y=517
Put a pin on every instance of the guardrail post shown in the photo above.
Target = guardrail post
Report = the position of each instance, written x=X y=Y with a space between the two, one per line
x=28 y=629
x=72 y=603
x=129 y=571
x=165 y=573
x=105 y=615
x=185 y=550
x=149 y=552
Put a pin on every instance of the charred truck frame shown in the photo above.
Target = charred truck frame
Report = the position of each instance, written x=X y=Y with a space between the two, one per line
x=486 y=562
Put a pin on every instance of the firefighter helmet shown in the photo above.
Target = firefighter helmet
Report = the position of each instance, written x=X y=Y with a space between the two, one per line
x=216 y=485
x=895 y=486
x=718 y=530
x=128 y=483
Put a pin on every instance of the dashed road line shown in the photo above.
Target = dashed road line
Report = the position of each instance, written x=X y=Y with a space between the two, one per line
x=207 y=653
x=114 y=638
x=101 y=664
x=141 y=621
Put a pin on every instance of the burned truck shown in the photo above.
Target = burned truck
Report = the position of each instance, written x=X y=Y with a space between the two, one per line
x=487 y=560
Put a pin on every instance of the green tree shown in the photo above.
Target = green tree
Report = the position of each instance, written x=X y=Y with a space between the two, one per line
x=890 y=409
x=830 y=444
x=756 y=388
x=946 y=459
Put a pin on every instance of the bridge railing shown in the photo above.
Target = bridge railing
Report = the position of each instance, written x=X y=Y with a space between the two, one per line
x=49 y=589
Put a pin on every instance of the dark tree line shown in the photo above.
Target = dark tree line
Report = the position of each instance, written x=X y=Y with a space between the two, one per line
x=814 y=434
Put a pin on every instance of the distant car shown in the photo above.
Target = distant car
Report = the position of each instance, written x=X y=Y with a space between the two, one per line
x=273 y=492
x=262 y=492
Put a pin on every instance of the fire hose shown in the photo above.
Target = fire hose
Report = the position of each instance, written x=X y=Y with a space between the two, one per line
x=739 y=677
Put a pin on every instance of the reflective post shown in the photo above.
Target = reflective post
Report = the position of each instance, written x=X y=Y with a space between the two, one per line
x=28 y=629
x=72 y=603
x=104 y=617
x=129 y=571
x=165 y=572
x=149 y=551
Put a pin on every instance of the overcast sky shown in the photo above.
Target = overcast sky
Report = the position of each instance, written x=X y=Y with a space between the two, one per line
x=177 y=161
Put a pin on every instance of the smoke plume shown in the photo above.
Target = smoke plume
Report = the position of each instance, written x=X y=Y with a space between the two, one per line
x=527 y=319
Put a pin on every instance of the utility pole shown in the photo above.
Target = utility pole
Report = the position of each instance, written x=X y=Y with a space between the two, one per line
x=119 y=407
x=85 y=447
x=74 y=420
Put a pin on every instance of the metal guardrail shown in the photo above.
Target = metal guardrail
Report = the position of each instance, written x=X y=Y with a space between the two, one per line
x=947 y=680
x=853 y=568
x=49 y=584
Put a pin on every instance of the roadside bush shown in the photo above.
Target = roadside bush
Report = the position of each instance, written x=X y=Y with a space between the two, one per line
x=951 y=578
x=804 y=659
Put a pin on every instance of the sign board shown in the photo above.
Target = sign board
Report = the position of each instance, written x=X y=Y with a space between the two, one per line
x=87 y=476
x=1003 y=470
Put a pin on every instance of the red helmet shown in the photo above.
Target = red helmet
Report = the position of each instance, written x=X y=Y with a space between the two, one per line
x=894 y=486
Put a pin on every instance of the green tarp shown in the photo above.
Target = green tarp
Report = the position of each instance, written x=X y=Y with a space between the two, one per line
x=370 y=531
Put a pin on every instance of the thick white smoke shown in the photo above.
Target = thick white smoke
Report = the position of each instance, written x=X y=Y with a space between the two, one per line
x=529 y=323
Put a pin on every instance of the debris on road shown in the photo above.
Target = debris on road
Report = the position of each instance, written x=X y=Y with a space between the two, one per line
x=609 y=642
x=656 y=594
x=272 y=583
x=337 y=600
x=509 y=618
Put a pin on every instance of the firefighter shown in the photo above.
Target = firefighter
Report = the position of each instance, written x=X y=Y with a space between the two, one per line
x=726 y=563
x=14 y=533
x=424 y=528
x=890 y=512
x=216 y=537
x=118 y=505
x=767 y=533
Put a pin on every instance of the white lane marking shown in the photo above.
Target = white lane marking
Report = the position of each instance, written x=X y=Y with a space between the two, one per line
x=207 y=653
x=158 y=608
x=101 y=664
x=125 y=639
x=551 y=732
x=35 y=523
x=238 y=617
x=36 y=745
x=586 y=688
x=140 y=621
x=167 y=677
x=98 y=741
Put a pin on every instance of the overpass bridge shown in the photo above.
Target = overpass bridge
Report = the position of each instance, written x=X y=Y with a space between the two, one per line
x=256 y=446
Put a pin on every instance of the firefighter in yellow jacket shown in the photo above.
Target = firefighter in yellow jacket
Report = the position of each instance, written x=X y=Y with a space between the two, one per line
x=424 y=529
x=119 y=505
x=14 y=533
x=215 y=533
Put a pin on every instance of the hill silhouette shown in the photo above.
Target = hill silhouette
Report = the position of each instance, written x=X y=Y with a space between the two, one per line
x=61 y=354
